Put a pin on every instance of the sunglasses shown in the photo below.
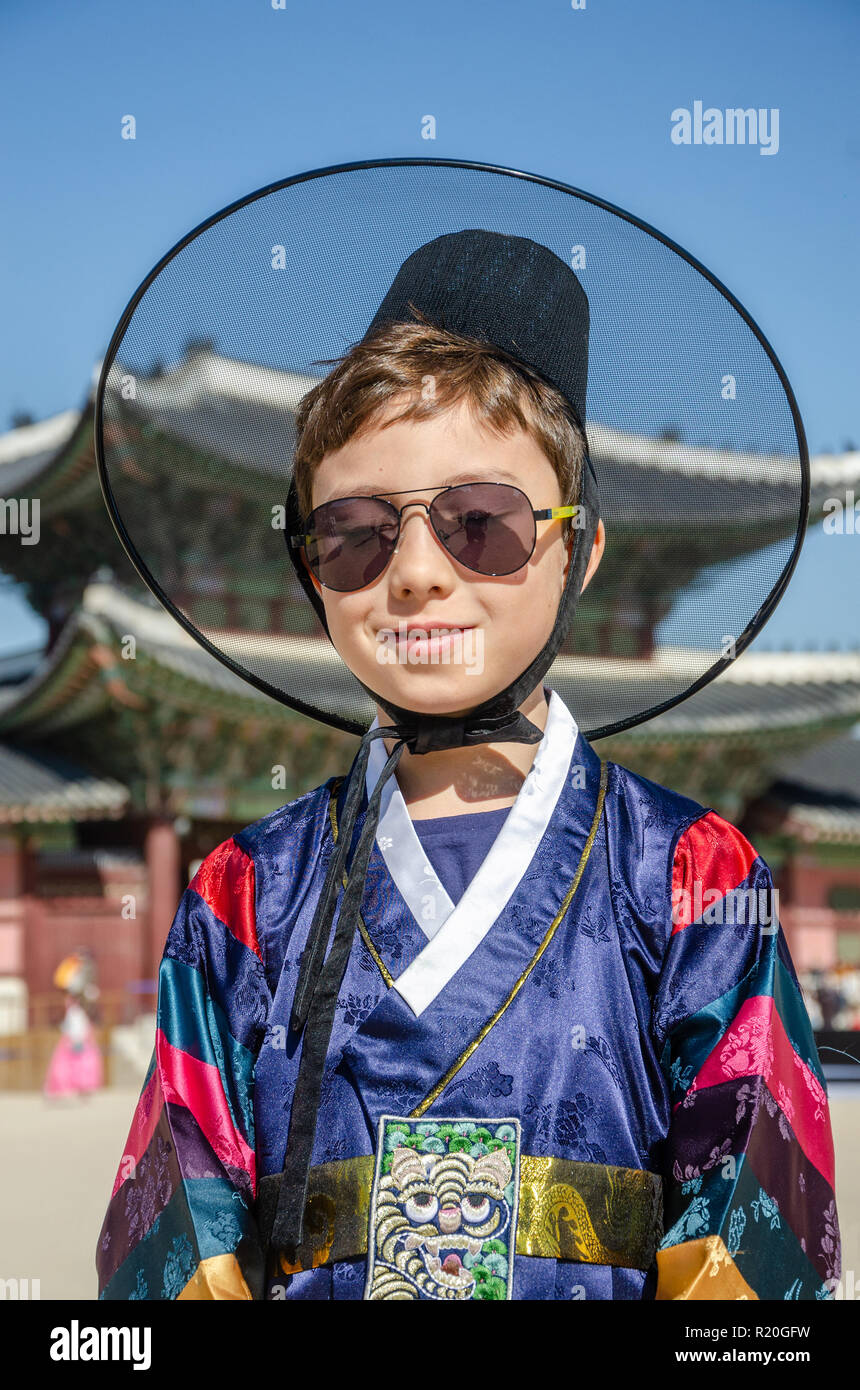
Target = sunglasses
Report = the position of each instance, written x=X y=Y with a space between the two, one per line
x=487 y=527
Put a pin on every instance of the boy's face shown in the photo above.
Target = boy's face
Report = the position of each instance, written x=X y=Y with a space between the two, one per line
x=506 y=619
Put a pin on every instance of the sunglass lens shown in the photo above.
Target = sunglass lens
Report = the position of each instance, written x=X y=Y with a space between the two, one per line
x=488 y=527
x=351 y=541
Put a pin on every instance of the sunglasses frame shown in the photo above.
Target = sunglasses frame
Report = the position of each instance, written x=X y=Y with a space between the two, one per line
x=538 y=513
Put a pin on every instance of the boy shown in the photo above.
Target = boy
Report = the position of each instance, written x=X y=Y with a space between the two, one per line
x=544 y=1072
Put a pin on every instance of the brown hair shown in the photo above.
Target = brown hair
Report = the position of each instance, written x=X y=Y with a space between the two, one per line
x=403 y=358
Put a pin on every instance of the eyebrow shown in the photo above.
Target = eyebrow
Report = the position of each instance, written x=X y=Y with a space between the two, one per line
x=489 y=475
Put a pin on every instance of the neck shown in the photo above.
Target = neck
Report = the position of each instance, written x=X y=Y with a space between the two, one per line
x=456 y=781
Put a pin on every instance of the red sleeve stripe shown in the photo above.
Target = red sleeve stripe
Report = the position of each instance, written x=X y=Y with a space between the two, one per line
x=715 y=852
x=199 y=1086
x=225 y=882
x=142 y=1129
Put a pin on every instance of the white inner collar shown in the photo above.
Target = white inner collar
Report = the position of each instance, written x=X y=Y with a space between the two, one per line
x=454 y=931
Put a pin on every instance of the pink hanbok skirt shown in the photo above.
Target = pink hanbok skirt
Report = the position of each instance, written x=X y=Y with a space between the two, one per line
x=74 y=1068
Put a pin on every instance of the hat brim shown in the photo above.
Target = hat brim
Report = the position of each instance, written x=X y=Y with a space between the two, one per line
x=693 y=430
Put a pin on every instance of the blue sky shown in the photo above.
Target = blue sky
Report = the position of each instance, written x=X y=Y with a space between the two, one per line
x=232 y=95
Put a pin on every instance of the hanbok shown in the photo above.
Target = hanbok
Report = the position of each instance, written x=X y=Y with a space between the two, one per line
x=592 y=1077
x=76 y=1066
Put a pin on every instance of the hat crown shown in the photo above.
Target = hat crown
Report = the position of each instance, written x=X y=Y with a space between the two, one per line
x=506 y=290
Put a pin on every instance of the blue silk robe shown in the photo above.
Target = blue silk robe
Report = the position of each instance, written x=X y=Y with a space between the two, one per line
x=589 y=1002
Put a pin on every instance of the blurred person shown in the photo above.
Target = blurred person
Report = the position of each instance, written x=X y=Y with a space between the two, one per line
x=76 y=1067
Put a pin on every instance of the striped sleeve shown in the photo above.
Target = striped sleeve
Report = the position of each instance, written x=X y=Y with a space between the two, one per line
x=180 y=1222
x=749 y=1204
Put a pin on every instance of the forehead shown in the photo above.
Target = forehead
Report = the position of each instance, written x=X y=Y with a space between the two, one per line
x=445 y=449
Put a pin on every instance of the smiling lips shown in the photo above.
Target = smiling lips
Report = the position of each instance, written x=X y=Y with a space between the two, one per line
x=433 y=638
x=434 y=641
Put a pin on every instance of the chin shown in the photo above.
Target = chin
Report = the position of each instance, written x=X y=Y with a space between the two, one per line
x=426 y=695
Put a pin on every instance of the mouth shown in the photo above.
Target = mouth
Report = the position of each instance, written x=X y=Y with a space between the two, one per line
x=445 y=1259
x=430 y=640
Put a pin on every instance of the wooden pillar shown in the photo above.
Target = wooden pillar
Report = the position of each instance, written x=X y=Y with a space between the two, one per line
x=13 y=864
x=162 y=852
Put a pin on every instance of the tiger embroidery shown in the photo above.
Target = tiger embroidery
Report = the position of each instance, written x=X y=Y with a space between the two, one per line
x=443 y=1213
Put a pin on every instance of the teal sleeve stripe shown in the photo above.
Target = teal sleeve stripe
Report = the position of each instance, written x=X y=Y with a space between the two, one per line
x=192 y=1022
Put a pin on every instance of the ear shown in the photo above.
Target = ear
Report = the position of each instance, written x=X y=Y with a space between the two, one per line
x=597 y=549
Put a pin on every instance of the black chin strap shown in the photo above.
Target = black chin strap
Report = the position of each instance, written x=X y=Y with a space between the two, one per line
x=315 y=1000
x=314 y=952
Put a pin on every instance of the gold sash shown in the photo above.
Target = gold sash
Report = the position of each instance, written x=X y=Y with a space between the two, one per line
x=590 y=1212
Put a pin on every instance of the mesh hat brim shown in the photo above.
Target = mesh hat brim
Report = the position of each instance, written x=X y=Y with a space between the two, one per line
x=693 y=431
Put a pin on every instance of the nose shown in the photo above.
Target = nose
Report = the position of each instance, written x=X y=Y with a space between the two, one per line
x=449 y=1219
x=420 y=561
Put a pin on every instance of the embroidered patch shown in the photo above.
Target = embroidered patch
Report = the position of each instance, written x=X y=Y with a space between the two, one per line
x=443 y=1210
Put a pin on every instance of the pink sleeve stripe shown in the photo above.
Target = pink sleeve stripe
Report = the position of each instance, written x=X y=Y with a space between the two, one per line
x=713 y=852
x=225 y=882
x=197 y=1085
x=755 y=1043
x=143 y=1125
